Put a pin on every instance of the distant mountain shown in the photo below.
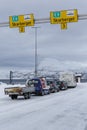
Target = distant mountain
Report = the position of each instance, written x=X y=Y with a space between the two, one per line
x=49 y=66
x=55 y=65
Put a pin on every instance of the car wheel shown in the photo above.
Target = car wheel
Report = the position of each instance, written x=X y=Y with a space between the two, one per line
x=26 y=96
x=42 y=93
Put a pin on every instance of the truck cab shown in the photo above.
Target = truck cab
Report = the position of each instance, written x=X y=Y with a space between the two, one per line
x=38 y=86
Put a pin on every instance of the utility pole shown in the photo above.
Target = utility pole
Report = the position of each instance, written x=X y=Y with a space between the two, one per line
x=11 y=76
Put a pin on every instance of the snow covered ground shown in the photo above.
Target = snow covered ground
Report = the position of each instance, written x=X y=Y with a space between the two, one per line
x=65 y=110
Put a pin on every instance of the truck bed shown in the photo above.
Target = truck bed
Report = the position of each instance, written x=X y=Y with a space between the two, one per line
x=18 y=90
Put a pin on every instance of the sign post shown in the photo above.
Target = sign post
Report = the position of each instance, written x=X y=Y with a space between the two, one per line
x=63 y=26
x=21 y=29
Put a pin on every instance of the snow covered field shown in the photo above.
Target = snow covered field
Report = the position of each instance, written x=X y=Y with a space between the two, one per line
x=65 y=110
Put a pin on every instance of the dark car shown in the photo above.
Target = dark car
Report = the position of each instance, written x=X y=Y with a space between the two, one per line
x=53 y=85
x=62 y=85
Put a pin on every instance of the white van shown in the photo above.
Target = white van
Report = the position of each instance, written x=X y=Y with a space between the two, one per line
x=69 y=77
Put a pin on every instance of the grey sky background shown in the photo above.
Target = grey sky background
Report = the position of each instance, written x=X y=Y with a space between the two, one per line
x=66 y=47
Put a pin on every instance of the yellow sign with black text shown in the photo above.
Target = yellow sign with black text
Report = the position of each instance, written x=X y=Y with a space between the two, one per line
x=64 y=16
x=63 y=26
x=21 y=20
x=22 y=29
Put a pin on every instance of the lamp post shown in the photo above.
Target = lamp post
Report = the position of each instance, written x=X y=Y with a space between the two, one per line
x=36 y=56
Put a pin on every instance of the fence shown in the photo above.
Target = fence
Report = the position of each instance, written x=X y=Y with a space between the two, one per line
x=13 y=81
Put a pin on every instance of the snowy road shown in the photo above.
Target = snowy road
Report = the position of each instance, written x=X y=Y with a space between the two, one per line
x=65 y=110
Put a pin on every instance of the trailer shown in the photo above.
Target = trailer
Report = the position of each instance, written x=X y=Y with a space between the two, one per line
x=68 y=77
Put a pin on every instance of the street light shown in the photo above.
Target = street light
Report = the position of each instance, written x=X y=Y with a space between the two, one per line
x=36 y=56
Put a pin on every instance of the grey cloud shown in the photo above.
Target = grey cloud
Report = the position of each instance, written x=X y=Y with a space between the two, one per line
x=18 y=50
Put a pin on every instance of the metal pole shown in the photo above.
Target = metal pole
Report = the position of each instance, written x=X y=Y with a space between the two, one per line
x=36 y=52
x=36 y=56
x=11 y=76
x=44 y=20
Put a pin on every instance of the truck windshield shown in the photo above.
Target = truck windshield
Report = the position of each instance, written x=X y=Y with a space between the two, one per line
x=32 y=82
x=49 y=82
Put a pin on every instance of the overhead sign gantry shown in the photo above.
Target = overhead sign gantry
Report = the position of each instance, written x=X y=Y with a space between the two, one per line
x=70 y=16
x=56 y=17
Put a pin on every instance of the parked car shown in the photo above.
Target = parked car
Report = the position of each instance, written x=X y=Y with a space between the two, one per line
x=62 y=85
x=54 y=87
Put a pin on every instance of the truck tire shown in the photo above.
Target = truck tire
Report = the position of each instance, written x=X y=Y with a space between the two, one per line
x=12 y=97
x=58 y=90
x=48 y=91
x=55 y=90
x=66 y=88
x=26 y=95
x=42 y=93
x=16 y=96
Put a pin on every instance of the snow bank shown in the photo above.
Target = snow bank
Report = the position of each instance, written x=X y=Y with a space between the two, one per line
x=65 y=110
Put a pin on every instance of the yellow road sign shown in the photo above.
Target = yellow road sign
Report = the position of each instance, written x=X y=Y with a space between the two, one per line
x=21 y=29
x=63 y=16
x=21 y=20
x=63 y=26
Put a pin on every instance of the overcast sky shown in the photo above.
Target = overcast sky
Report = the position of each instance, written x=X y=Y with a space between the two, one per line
x=65 y=46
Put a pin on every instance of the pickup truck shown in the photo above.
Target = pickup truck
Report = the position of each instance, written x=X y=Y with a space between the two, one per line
x=14 y=92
